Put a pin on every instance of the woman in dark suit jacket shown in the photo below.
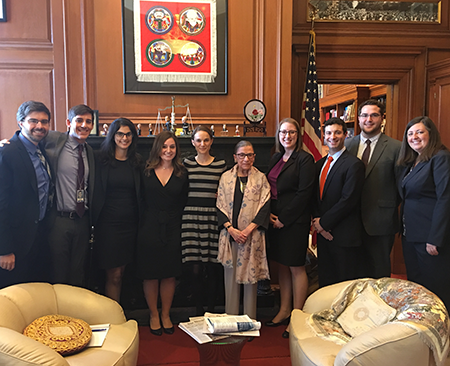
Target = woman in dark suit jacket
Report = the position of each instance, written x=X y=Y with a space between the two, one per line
x=291 y=176
x=116 y=203
x=424 y=186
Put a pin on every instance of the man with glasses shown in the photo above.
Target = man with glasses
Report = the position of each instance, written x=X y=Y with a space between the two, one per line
x=26 y=192
x=73 y=162
x=379 y=203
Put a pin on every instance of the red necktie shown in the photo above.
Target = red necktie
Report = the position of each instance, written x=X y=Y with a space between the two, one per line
x=366 y=153
x=323 y=176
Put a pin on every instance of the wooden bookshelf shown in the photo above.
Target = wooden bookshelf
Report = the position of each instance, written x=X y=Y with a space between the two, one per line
x=339 y=98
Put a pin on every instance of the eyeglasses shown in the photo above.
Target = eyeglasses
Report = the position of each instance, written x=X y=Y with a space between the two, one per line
x=373 y=115
x=33 y=121
x=290 y=133
x=242 y=156
x=121 y=134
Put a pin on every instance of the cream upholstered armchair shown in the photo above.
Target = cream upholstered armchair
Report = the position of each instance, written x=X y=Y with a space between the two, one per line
x=390 y=344
x=22 y=304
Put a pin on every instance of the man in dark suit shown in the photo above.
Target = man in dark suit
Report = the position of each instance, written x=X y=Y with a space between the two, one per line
x=25 y=194
x=72 y=160
x=336 y=213
x=380 y=199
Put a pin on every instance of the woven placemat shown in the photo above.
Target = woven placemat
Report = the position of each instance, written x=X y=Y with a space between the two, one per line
x=62 y=333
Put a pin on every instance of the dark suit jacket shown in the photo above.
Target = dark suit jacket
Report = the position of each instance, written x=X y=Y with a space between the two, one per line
x=426 y=200
x=19 y=199
x=101 y=177
x=339 y=208
x=380 y=199
x=295 y=187
x=54 y=143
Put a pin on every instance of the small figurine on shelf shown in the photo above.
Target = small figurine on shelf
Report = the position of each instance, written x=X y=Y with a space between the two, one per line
x=185 y=126
x=224 y=131
x=212 y=130
x=167 y=125
x=150 y=131
x=236 y=132
x=138 y=129
x=105 y=130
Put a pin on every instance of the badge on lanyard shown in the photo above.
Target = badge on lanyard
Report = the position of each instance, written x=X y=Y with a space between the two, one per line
x=80 y=195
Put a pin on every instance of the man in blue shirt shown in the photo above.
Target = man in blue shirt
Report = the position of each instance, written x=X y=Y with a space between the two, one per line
x=26 y=192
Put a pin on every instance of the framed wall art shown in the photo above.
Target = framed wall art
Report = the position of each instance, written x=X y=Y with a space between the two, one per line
x=175 y=46
x=375 y=11
x=2 y=10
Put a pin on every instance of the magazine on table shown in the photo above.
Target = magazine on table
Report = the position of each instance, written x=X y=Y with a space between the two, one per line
x=231 y=325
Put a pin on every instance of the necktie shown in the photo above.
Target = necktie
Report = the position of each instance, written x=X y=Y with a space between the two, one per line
x=80 y=183
x=323 y=176
x=366 y=153
x=44 y=162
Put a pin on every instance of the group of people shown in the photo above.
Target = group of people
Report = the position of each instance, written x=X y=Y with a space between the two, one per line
x=164 y=213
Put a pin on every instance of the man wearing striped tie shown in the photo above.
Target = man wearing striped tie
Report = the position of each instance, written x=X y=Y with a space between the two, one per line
x=337 y=208
x=26 y=191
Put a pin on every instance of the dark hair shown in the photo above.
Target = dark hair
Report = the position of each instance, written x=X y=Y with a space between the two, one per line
x=80 y=110
x=201 y=128
x=278 y=146
x=154 y=159
x=407 y=155
x=242 y=143
x=108 y=147
x=379 y=104
x=335 y=121
x=29 y=107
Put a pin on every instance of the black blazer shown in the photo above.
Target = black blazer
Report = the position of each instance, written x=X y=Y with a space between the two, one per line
x=101 y=177
x=19 y=199
x=295 y=187
x=426 y=200
x=340 y=207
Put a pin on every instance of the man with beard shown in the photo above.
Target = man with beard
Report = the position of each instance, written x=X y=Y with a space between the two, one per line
x=26 y=192
x=380 y=199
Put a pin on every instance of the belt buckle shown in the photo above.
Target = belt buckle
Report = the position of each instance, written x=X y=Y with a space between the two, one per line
x=72 y=215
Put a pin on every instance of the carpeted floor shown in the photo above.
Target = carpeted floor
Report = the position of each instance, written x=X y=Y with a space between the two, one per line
x=179 y=349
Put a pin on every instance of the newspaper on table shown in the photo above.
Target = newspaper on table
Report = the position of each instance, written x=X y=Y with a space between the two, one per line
x=241 y=324
x=194 y=327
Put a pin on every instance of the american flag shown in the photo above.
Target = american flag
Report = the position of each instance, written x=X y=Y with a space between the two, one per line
x=310 y=112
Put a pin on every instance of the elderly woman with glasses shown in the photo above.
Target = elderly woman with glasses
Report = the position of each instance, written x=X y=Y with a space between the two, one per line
x=243 y=203
x=116 y=204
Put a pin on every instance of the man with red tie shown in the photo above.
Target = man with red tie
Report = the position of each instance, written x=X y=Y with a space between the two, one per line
x=337 y=208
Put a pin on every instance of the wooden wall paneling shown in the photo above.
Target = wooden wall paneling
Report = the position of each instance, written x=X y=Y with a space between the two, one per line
x=438 y=97
x=31 y=45
x=80 y=53
x=18 y=86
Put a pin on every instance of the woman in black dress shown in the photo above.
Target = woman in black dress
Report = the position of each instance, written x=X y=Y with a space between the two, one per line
x=159 y=238
x=291 y=177
x=116 y=204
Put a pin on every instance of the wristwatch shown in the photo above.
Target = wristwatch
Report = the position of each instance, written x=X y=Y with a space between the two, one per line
x=227 y=227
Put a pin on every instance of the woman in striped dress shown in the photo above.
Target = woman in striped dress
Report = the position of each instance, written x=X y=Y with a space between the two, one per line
x=199 y=238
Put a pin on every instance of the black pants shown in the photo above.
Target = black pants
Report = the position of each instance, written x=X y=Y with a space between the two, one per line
x=69 y=246
x=32 y=266
x=430 y=271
